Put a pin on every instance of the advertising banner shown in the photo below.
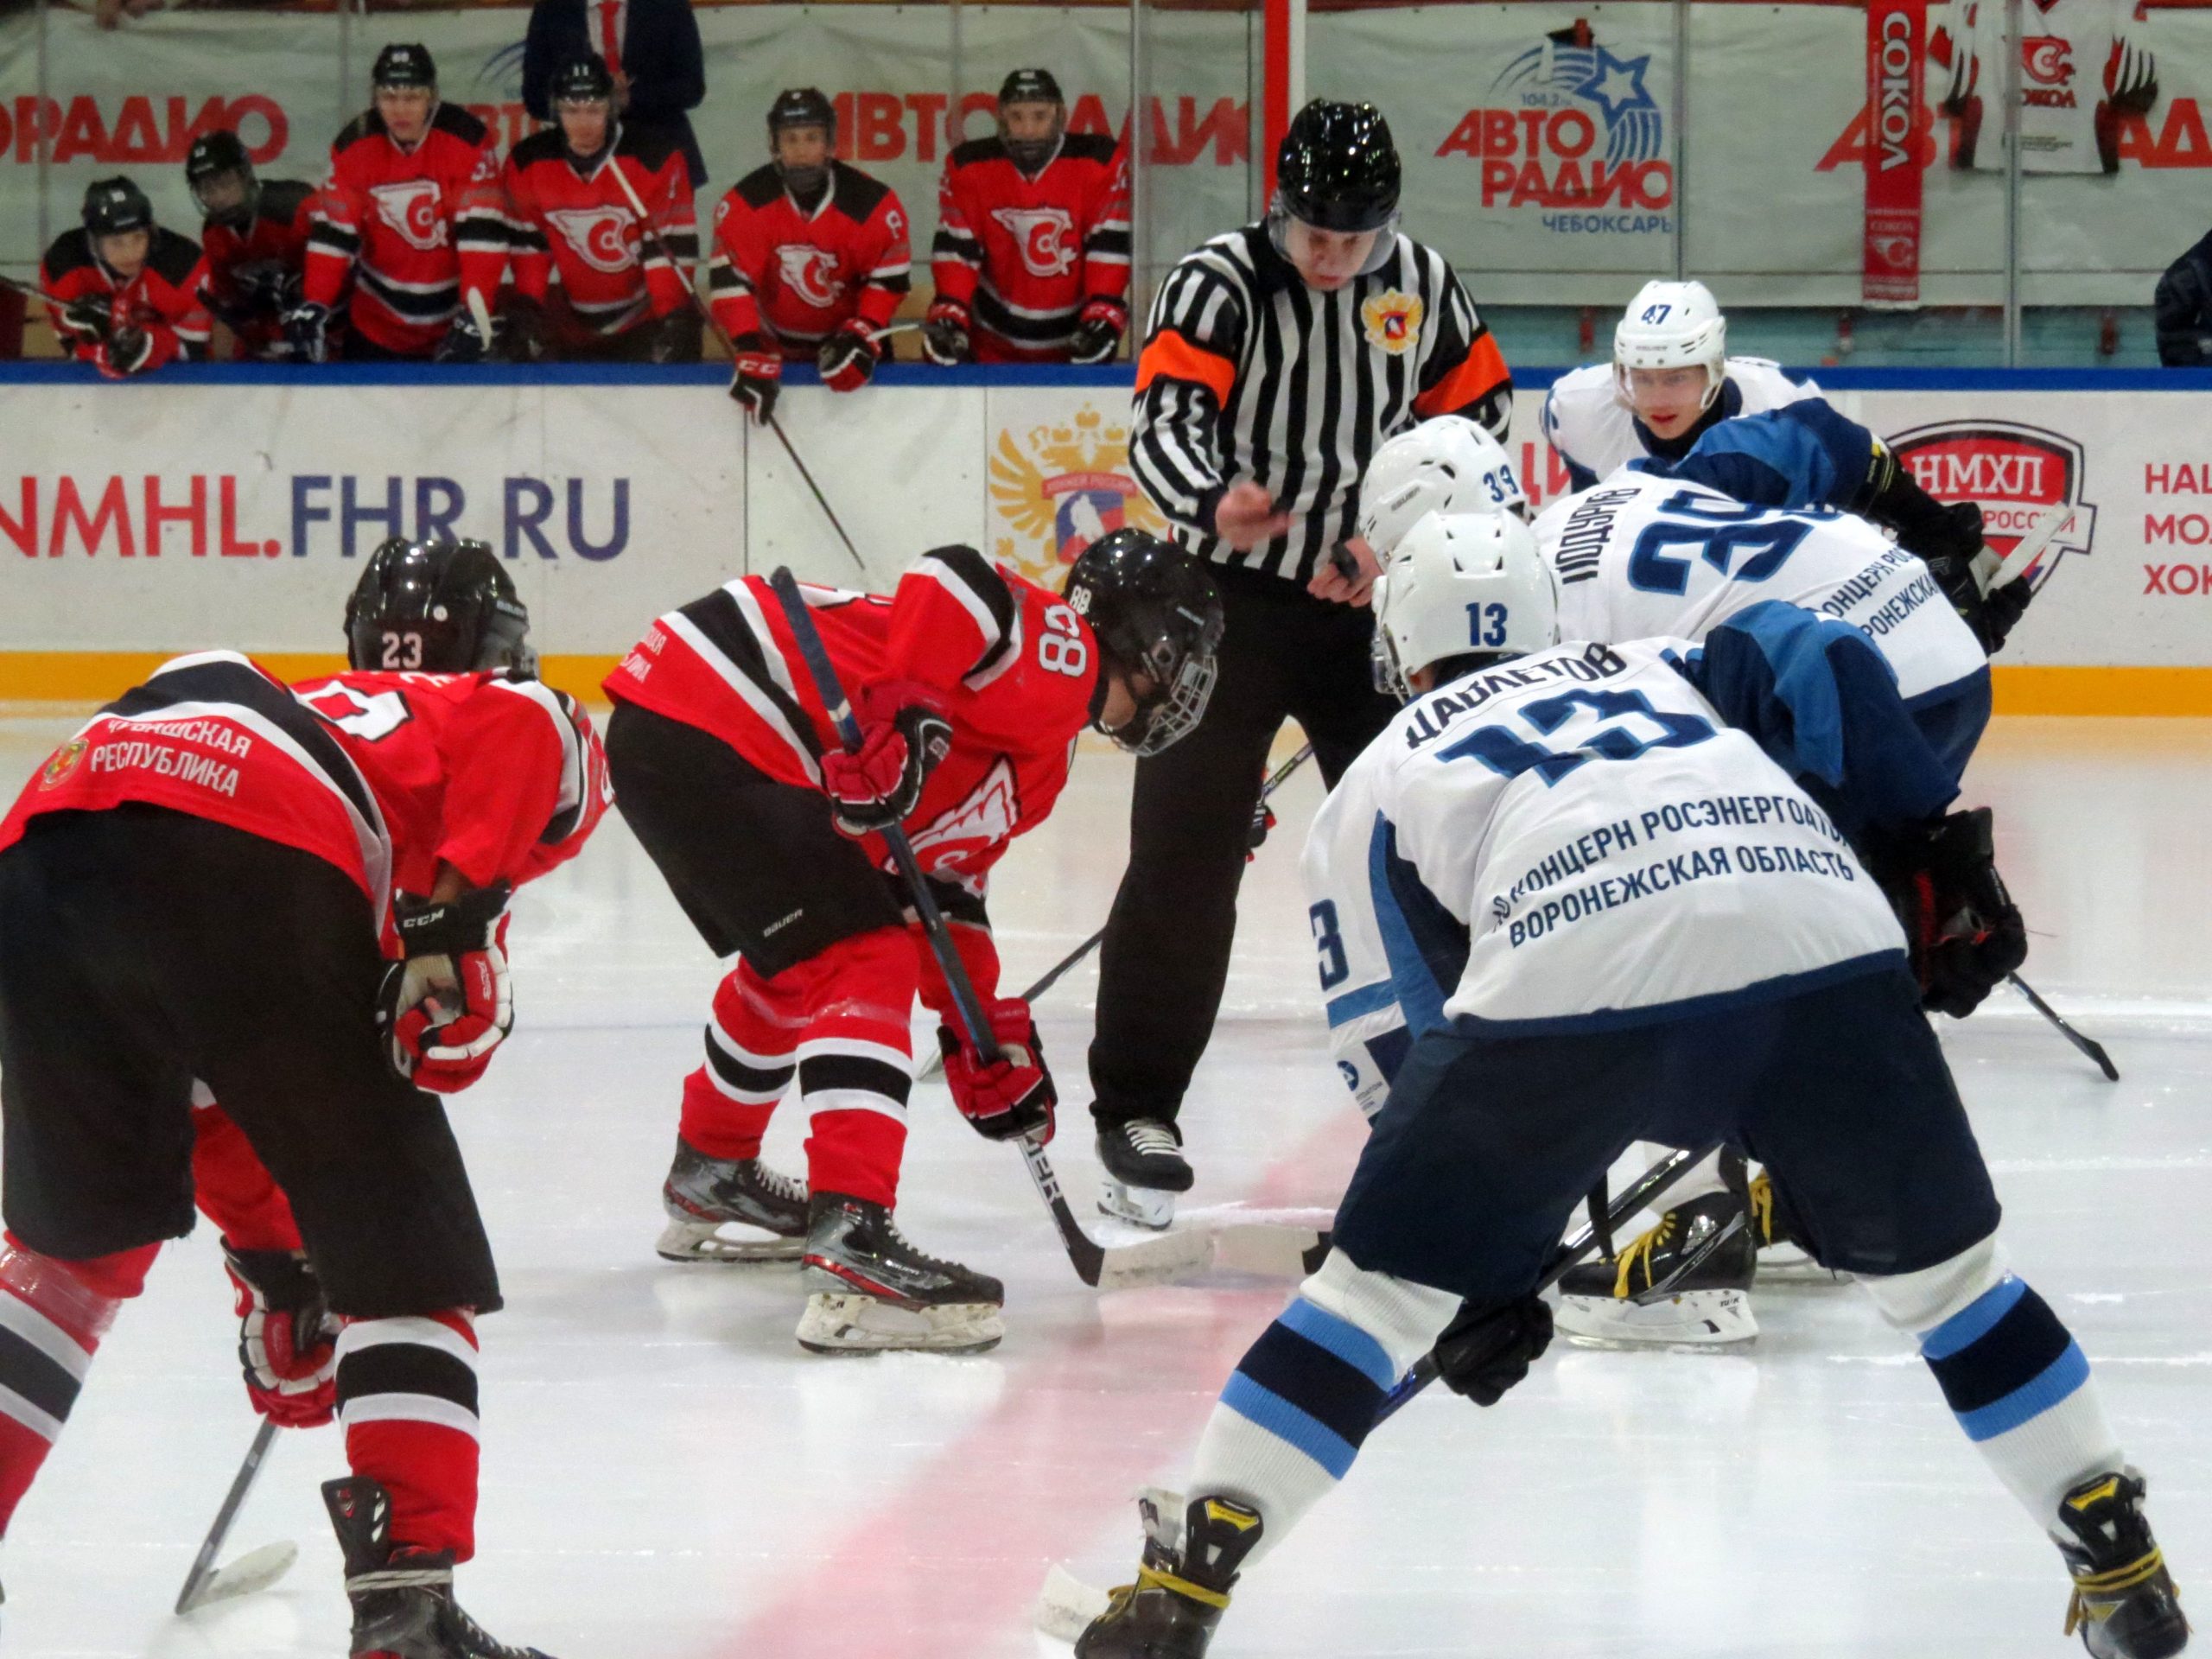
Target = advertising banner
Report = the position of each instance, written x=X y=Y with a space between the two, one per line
x=1896 y=30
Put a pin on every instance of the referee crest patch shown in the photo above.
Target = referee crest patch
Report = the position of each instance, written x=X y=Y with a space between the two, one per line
x=1392 y=320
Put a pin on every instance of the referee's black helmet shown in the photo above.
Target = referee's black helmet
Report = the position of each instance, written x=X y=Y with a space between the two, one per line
x=1338 y=169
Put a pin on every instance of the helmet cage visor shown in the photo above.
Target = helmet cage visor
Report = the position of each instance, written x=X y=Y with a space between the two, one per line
x=1176 y=703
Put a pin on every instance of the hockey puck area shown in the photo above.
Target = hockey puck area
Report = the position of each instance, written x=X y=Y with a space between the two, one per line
x=257 y=1569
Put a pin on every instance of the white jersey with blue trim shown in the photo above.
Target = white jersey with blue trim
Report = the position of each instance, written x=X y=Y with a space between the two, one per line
x=1641 y=556
x=1595 y=432
x=1573 y=839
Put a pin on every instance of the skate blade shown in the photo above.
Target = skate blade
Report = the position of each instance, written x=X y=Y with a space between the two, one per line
x=1067 y=1606
x=1696 y=1321
x=700 y=1240
x=1142 y=1206
x=849 y=1323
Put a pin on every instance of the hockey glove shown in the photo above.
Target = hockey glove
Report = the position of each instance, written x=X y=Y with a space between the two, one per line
x=86 y=323
x=126 y=352
x=1965 y=932
x=288 y=1337
x=307 y=326
x=848 y=359
x=677 y=338
x=760 y=377
x=944 y=334
x=448 y=1005
x=1013 y=1097
x=522 y=330
x=903 y=737
x=464 y=343
x=1488 y=1347
x=1098 y=333
x=1989 y=613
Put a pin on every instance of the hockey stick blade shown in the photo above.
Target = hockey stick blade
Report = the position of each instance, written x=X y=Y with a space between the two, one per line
x=203 y=1565
x=1067 y=1605
x=1270 y=1249
x=1164 y=1260
x=255 y=1570
x=2093 y=1051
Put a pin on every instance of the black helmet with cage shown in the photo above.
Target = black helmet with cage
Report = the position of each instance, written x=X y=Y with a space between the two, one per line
x=219 y=173
x=1157 y=617
x=439 y=606
x=802 y=106
x=1031 y=86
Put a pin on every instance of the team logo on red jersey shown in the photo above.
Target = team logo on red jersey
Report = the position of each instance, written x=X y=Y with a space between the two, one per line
x=1045 y=236
x=810 y=273
x=2011 y=472
x=62 y=764
x=412 y=210
x=599 y=235
x=982 y=821
x=2047 y=59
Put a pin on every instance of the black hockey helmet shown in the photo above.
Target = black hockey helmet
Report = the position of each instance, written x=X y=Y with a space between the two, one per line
x=1338 y=169
x=114 y=207
x=404 y=63
x=1155 y=613
x=801 y=106
x=442 y=606
x=1031 y=86
x=220 y=176
x=581 y=78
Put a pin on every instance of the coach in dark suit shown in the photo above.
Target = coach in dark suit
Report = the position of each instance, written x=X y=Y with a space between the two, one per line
x=652 y=46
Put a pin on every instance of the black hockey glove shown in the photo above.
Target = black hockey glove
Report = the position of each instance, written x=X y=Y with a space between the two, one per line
x=760 y=377
x=677 y=338
x=307 y=325
x=944 y=334
x=464 y=343
x=126 y=352
x=522 y=331
x=1098 y=332
x=1489 y=1347
x=1964 y=932
x=86 y=323
x=848 y=359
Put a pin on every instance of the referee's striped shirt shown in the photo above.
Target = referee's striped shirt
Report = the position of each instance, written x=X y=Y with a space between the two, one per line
x=1247 y=373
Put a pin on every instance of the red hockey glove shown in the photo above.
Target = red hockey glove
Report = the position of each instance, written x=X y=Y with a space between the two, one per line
x=448 y=1005
x=1013 y=1097
x=760 y=377
x=944 y=334
x=903 y=737
x=125 y=353
x=1965 y=932
x=288 y=1337
x=848 y=359
x=1098 y=332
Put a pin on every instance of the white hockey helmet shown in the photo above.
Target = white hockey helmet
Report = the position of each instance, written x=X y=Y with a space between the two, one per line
x=1448 y=465
x=1461 y=585
x=1673 y=326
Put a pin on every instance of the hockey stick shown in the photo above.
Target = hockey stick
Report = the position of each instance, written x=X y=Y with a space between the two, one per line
x=1152 y=1260
x=707 y=313
x=2091 y=1049
x=1993 y=572
x=257 y=1569
x=1053 y=974
x=1067 y=1605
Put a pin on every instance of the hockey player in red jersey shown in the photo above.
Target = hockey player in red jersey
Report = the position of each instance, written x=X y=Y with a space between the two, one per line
x=573 y=192
x=291 y=901
x=255 y=236
x=123 y=291
x=971 y=684
x=412 y=213
x=1032 y=257
x=812 y=259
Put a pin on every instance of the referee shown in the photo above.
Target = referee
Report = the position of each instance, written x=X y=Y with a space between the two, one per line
x=1278 y=357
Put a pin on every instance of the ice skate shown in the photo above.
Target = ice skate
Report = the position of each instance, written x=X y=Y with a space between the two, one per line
x=1182 y=1586
x=873 y=1291
x=402 y=1604
x=1783 y=1259
x=1683 y=1284
x=2125 y=1603
x=703 y=1195
x=1144 y=1169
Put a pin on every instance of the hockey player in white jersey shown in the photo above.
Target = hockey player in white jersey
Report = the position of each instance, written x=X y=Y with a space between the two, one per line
x=1632 y=924
x=1671 y=381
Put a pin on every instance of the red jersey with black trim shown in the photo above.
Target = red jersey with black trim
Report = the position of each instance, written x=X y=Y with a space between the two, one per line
x=1024 y=255
x=799 y=275
x=162 y=301
x=1013 y=666
x=414 y=226
x=574 y=227
x=385 y=776
x=255 y=274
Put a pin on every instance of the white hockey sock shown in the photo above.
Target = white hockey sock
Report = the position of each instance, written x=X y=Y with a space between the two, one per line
x=1300 y=1402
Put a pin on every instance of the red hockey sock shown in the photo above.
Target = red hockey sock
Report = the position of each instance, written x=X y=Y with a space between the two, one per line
x=234 y=1190
x=53 y=1314
x=855 y=1063
x=407 y=1396
x=750 y=1041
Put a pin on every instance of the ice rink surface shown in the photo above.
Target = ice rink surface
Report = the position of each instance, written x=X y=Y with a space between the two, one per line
x=666 y=1476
